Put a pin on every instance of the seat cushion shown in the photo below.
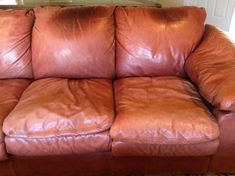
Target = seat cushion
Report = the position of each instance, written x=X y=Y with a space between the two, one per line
x=10 y=92
x=166 y=150
x=153 y=41
x=15 y=43
x=61 y=107
x=73 y=42
x=161 y=110
x=81 y=144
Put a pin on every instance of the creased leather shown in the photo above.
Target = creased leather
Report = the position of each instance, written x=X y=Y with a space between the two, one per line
x=15 y=43
x=10 y=92
x=161 y=110
x=57 y=107
x=134 y=149
x=156 y=42
x=99 y=142
x=211 y=68
x=74 y=42
x=224 y=158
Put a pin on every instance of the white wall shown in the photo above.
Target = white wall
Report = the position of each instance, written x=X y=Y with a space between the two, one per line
x=232 y=28
x=7 y=2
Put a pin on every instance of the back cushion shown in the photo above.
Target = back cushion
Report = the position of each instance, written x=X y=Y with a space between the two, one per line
x=15 y=43
x=73 y=42
x=154 y=42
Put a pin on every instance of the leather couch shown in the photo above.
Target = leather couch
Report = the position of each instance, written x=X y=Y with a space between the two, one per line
x=115 y=90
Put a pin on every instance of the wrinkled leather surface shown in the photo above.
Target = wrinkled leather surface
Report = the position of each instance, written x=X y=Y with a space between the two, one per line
x=153 y=41
x=161 y=110
x=57 y=107
x=211 y=67
x=15 y=43
x=224 y=159
x=74 y=42
x=98 y=142
x=10 y=92
x=134 y=149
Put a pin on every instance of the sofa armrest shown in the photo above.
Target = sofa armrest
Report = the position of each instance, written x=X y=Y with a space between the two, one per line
x=212 y=68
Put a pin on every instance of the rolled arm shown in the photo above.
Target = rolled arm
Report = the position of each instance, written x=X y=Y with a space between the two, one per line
x=212 y=68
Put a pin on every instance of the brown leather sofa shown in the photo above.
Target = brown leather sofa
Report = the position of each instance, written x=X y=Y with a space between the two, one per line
x=111 y=90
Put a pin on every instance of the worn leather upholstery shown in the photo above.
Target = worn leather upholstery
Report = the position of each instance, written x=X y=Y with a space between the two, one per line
x=211 y=68
x=59 y=107
x=153 y=42
x=224 y=158
x=10 y=92
x=59 y=145
x=15 y=43
x=78 y=42
x=161 y=110
x=164 y=150
x=156 y=116
x=55 y=107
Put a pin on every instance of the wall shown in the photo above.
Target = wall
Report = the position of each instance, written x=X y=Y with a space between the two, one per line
x=121 y=2
x=170 y=3
x=232 y=28
x=165 y=3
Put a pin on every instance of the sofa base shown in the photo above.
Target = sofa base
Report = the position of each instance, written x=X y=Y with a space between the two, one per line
x=101 y=164
x=224 y=159
x=3 y=155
